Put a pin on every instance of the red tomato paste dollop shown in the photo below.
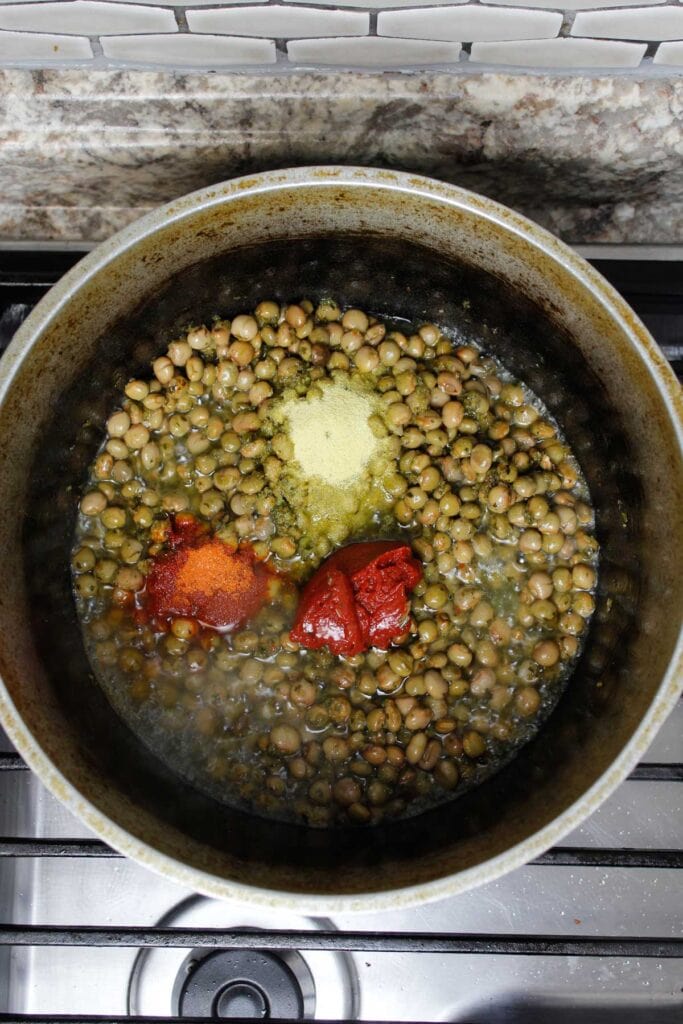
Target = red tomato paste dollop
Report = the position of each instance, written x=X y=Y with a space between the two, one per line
x=202 y=578
x=358 y=598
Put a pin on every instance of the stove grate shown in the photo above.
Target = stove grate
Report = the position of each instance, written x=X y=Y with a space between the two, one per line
x=24 y=278
x=346 y=941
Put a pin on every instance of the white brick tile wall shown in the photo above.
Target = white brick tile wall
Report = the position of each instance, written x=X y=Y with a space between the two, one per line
x=470 y=23
x=670 y=53
x=560 y=53
x=86 y=17
x=277 y=21
x=599 y=34
x=193 y=3
x=656 y=23
x=202 y=3
x=186 y=50
x=373 y=52
x=574 y=5
x=385 y=4
x=39 y=46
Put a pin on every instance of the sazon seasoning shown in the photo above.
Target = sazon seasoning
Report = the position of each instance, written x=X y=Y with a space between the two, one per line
x=202 y=578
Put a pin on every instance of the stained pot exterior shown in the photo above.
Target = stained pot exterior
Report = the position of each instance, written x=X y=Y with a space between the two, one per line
x=598 y=354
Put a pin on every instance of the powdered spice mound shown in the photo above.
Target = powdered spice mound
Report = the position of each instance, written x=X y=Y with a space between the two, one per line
x=204 y=579
x=335 y=450
x=331 y=435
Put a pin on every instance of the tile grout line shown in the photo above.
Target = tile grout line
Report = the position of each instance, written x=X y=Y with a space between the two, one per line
x=181 y=20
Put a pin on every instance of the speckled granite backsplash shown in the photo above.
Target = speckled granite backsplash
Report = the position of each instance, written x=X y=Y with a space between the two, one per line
x=598 y=159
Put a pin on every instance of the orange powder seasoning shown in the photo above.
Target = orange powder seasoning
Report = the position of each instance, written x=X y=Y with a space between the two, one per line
x=204 y=579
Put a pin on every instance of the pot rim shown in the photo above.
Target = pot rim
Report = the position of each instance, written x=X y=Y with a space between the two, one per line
x=614 y=306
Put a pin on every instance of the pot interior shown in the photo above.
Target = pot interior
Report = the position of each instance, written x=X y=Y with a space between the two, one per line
x=388 y=277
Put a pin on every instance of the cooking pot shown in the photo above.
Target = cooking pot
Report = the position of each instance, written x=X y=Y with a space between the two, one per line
x=394 y=244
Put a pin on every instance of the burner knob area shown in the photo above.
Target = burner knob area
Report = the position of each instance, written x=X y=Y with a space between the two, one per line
x=234 y=983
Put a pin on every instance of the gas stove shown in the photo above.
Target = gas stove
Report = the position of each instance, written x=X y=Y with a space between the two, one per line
x=590 y=932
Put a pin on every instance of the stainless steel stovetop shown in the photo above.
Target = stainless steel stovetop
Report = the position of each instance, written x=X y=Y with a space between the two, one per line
x=591 y=932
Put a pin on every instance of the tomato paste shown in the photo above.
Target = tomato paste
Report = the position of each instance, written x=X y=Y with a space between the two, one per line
x=358 y=598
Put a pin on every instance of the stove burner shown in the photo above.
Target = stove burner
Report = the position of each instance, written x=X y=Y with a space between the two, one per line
x=233 y=983
x=222 y=984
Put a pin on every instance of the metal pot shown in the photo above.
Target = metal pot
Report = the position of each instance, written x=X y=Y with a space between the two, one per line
x=397 y=244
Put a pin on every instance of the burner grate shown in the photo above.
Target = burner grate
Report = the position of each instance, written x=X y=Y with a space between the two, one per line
x=347 y=941
x=655 y=290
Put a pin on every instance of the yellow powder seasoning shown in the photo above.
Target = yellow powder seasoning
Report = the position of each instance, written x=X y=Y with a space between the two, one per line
x=333 y=479
x=331 y=435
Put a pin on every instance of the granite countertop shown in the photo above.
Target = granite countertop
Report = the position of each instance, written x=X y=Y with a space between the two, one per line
x=595 y=159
